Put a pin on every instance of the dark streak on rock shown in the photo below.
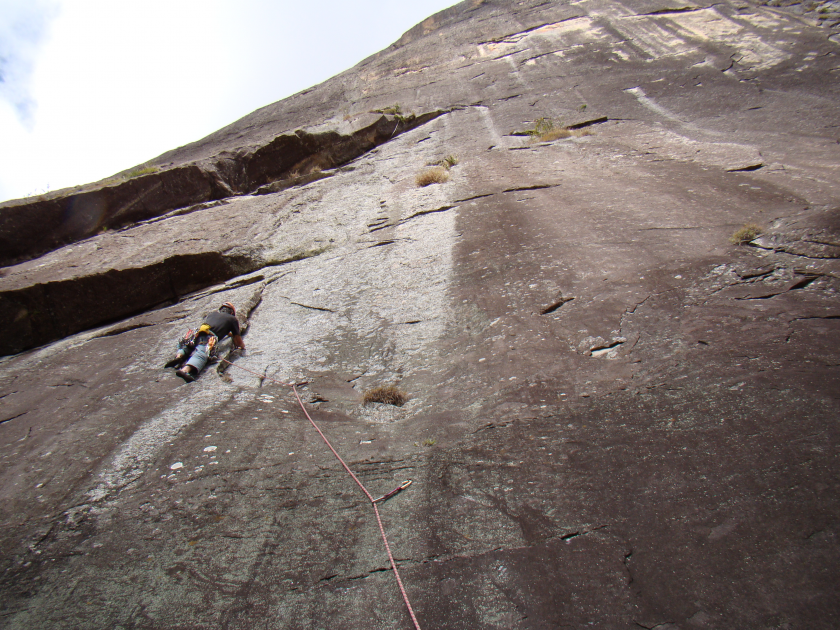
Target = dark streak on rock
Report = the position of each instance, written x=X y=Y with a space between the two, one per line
x=474 y=197
x=671 y=11
x=422 y=212
x=123 y=329
x=575 y=534
x=589 y=123
x=314 y=308
x=13 y=417
x=609 y=346
x=745 y=169
x=690 y=227
x=534 y=187
x=801 y=284
x=555 y=305
x=505 y=39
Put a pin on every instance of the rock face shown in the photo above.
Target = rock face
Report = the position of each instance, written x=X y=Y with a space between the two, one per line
x=617 y=419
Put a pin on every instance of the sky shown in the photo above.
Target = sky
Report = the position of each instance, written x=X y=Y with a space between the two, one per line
x=89 y=88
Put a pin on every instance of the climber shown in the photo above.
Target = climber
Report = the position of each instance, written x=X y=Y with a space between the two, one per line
x=196 y=347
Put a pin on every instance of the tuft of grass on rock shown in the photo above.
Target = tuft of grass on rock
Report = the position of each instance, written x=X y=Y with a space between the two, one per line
x=542 y=126
x=434 y=175
x=745 y=234
x=545 y=130
x=396 y=111
x=448 y=162
x=556 y=134
x=387 y=394
x=141 y=170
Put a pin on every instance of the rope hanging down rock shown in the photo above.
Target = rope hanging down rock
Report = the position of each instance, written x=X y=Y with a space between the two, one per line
x=373 y=501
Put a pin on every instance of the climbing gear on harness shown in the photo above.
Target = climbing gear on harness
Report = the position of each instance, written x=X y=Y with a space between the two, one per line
x=193 y=338
x=186 y=344
x=205 y=335
x=230 y=306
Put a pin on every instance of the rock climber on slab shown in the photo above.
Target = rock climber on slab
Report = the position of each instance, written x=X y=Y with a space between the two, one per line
x=198 y=346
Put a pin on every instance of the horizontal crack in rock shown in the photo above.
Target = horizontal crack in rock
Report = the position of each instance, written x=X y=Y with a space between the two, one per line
x=746 y=169
x=555 y=305
x=686 y=9
x=54 y=310
x=423 y=212
x=13 y=417
x=123 y=329
x=314 y=308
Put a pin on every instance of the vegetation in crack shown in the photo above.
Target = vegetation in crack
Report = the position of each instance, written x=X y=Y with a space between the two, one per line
x=385 y=394
x=548 y=130
x=745 y=234
x=438 y=173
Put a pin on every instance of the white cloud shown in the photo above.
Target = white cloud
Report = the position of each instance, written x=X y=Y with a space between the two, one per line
x=23 y=27
x=116 y=84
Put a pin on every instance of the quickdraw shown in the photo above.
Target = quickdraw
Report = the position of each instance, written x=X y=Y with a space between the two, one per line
x=396 y=490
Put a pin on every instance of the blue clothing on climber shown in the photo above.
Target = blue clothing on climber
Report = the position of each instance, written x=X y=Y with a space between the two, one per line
x=196 y=347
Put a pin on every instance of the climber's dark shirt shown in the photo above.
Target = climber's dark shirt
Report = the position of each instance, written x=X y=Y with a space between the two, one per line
x=222 y=324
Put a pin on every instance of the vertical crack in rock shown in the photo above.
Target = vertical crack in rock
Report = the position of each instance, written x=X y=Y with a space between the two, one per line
x=246 y=311
x=627 y=557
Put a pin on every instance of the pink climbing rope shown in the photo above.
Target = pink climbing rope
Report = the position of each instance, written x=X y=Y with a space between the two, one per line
x=355 y=478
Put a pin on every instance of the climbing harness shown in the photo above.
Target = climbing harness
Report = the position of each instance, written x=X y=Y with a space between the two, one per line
x=197 y=337
x=373 y=501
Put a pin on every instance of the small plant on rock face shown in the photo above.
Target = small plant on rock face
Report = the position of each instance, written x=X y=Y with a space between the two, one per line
x=448 y=162
x=556 y=134
x=546 y=131
x=396 y=111
x=387 y=394
x=429 y=442
x=542 y=126
x=745 y=234
x=141 y=170
x=434 y=175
